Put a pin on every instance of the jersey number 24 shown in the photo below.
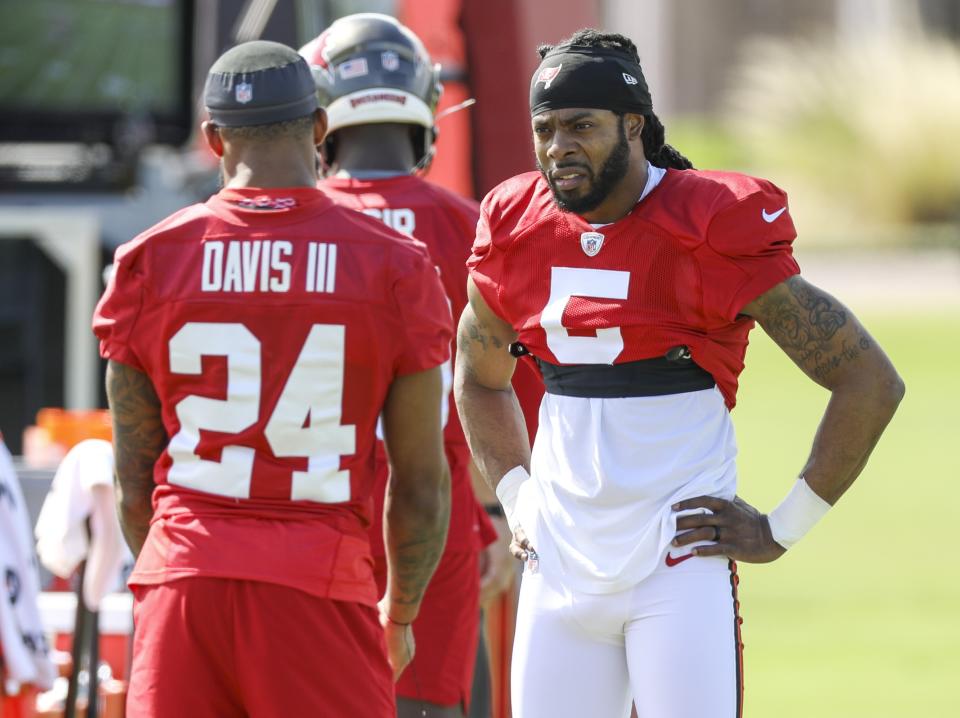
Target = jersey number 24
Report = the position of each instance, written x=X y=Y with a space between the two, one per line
x=313 y=389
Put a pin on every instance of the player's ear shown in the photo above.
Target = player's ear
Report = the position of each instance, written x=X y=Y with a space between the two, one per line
x=211 y=134
x=319 y=126
x=633 y=124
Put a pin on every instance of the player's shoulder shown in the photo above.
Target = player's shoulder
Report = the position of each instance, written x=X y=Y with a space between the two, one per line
x=725 y=209
x=516 y=205
x=448 y=200
x=420 y=195
x=178 y=224
x=516 y=191
x=337 y=219
x=407 y=192
x=357 y=226
x=713 y=191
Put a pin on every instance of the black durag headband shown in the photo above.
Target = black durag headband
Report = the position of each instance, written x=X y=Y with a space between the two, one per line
x=596 y=77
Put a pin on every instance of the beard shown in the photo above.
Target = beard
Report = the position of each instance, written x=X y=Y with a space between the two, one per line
x=613 y=170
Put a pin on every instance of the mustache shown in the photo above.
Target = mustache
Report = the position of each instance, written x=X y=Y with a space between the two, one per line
x=547 y=174
x=570 y=166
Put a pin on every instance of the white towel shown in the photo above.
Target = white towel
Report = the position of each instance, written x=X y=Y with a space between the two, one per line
x=22 y=638
x=82 y=488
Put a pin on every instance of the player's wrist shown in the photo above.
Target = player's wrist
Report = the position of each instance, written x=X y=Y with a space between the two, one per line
x=399 y=615
x=395 y=622
x=799 y=512
x=508 y=491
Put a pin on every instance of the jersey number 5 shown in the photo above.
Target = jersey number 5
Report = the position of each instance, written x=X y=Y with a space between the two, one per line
x=567 y=283
x=304 y=423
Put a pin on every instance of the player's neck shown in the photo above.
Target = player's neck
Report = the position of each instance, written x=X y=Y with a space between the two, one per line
x=257 y=168
x=365 y=148
x=622 y=198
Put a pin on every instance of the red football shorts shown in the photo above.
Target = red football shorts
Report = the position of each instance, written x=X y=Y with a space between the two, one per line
x=217 y=648
x=446 y=632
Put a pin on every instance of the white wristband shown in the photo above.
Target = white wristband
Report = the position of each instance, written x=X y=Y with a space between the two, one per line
x=507 y=491
x=796 y=514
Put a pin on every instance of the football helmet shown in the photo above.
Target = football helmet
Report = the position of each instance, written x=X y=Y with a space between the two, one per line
x=369 y=68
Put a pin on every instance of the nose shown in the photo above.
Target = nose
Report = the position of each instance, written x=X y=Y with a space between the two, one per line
x=561 y=146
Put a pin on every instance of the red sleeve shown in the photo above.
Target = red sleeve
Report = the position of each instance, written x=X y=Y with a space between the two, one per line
x=119 y=309
x=486 y=265
x=424 y=313
x=752 y=240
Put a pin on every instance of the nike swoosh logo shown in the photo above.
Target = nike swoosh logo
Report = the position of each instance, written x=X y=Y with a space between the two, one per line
x=673 y=561
x=770 y=217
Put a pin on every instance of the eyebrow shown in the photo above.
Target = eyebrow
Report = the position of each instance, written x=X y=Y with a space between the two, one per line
x=586 y=114
x=576 y=118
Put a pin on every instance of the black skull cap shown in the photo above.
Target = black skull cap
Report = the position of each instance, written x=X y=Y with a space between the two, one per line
x=259 y=83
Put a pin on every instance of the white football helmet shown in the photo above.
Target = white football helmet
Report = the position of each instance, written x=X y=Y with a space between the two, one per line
x=369 y=69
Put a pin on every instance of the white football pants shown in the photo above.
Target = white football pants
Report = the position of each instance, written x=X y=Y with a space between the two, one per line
x=670 y=643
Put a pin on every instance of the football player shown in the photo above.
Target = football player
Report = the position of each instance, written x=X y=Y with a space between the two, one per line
x=380 y=90
x=633 y=280
x=253 y=341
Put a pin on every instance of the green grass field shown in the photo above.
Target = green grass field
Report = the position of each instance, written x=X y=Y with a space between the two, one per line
x=862 y=618
x=91 y=55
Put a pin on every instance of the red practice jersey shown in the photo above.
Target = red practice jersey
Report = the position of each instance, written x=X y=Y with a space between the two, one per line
x=677 y=270
x=445 y=222
x=442 y=220
x=271 y=324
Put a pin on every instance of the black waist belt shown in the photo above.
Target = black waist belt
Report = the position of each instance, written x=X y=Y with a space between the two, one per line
x=648 y=377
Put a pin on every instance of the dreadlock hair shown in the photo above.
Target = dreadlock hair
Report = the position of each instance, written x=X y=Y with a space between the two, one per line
x=653 y=134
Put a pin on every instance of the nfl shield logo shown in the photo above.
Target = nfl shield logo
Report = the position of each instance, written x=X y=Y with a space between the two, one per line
x=590 y=243
x=243 y=92
x=547 y=75
x=390 y=61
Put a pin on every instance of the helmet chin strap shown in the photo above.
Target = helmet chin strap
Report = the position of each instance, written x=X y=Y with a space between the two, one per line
x=423 y=164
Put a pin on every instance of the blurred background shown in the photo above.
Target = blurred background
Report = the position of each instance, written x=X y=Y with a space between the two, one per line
x=851 y=106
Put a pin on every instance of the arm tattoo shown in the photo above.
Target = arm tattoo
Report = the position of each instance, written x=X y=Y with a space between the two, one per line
x=138 y=440
x=476 y=333
x=416 y=558
x=812 y=327
x=824 y=365
x=808 y=322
